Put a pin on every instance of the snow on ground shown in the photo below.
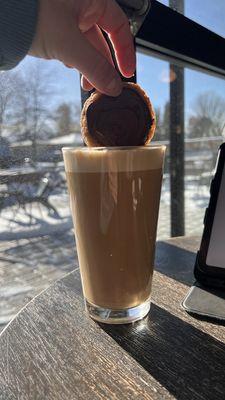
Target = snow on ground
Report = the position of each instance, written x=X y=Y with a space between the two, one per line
x=17 y=223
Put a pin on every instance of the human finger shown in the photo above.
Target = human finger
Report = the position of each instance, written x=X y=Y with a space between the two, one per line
x=81 y=54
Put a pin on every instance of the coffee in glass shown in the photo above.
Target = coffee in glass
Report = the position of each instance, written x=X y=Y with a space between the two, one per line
x=114 y=197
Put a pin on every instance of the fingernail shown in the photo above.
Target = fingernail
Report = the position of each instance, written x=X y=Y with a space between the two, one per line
x=114 y=87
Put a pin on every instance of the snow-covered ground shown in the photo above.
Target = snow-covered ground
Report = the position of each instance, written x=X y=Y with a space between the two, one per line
x=196 y=201
x=18 y=223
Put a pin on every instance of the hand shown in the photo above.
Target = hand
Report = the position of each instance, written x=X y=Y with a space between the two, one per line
x=69 y=31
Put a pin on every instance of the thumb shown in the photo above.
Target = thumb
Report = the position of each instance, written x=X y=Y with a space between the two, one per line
x=82 y=55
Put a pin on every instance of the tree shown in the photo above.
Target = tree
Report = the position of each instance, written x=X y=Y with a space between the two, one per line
x=63 y=119
x=158 y=132
x=8 y=94
x=166 y=121
x=76 y=114
x=67 y=119
x=34 y=115
x=208 y=117
x=162 y=122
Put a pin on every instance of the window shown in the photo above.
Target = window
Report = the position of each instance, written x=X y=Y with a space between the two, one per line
x=207 y=13
x=186 y=46
x=40 y=112
x=204 y=123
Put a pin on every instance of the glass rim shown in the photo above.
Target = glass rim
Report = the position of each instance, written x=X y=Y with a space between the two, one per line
x=113 y=148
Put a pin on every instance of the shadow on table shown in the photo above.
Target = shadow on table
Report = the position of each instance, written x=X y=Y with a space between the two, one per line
x=189 y=363
x=175 y=262
x=178 y=264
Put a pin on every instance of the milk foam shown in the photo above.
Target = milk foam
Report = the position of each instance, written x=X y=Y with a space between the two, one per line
x=89 y=159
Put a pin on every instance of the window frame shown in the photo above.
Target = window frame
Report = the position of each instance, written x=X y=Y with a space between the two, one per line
x=170 y=35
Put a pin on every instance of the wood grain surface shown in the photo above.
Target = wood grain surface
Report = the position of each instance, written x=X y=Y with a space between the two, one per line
x=52 y=350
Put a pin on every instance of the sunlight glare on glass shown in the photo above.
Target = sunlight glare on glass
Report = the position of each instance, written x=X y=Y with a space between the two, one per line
x=167 y=76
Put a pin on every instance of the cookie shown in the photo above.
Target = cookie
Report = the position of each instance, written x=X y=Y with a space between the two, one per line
x=125 y=120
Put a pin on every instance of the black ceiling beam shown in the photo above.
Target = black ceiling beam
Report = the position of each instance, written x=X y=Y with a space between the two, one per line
x=169 y=34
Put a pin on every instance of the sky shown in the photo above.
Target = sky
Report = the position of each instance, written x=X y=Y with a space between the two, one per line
x=152 y=73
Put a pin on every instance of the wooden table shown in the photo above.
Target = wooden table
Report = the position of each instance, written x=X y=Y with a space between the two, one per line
x=52 y=350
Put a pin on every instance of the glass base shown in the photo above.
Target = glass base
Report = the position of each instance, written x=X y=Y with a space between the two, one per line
x=123 y=316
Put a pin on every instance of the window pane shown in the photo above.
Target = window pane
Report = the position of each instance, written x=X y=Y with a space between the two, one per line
x=153 y=76
x=205 y=121
x=165 y=2
x=207 y=13
x=204 y=111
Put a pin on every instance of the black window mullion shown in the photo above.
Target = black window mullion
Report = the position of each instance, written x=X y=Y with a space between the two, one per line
x=168 y=33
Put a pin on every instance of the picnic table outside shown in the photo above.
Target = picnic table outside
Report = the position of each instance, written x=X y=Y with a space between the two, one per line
x=52 y=350
x=25 y=186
